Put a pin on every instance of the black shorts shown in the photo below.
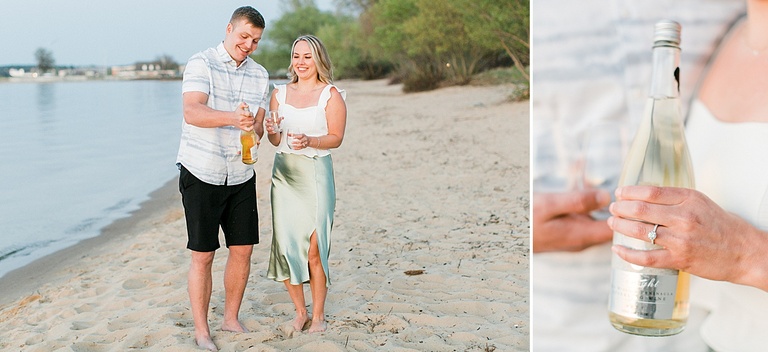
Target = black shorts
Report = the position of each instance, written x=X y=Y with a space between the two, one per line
x=207 y=206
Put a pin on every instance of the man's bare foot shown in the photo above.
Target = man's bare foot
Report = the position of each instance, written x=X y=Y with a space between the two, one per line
x=235 y=326
x=300 y=320
x=318 y=325
x=206 y=342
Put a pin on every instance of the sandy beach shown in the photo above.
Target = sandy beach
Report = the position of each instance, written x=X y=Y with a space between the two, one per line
x=430 y=247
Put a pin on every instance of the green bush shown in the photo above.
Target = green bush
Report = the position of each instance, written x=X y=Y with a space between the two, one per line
x=374 y=69
x=424 y=44
x=421 y=77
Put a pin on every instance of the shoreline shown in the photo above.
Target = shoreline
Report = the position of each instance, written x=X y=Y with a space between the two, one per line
x=56 y=79
x=430 y=246
x=46 y=270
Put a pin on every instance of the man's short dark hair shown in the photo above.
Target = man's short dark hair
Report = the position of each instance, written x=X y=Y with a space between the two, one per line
x=250 y=14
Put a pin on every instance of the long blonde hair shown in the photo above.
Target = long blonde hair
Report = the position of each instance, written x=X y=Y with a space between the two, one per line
x=319 y=55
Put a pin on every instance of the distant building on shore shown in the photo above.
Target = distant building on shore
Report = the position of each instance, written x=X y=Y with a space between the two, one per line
x=19 y=72
x=158 y=69
x=88 y=72
x=162 y=68
x=74 y=73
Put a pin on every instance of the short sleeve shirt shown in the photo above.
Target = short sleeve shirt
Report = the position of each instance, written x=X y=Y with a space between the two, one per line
x=213 y=154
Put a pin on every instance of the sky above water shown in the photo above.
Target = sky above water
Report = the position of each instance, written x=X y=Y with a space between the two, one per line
x=107 y=32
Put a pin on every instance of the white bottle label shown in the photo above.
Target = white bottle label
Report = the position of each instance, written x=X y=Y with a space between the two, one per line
x=643 y=296
x=255 y=152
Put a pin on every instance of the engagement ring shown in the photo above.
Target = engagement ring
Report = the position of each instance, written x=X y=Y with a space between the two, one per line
x=652 y=234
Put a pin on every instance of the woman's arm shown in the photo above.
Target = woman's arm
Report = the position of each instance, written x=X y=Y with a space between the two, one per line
x=698 y=236
x=336 y=115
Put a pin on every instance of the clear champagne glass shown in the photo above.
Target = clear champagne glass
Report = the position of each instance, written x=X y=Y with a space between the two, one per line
x=274 y=121
x=291 y=132
x=555 y=151
x=603 y=149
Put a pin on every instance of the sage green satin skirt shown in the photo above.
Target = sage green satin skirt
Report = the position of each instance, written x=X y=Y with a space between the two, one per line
x=303 y=201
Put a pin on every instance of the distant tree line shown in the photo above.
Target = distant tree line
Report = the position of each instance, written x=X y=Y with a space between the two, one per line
x=421 y=43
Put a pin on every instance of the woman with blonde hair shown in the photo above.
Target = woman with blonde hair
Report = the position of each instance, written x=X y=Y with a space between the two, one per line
x=312 y=118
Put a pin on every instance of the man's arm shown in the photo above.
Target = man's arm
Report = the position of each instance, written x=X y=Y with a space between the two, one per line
x=198 y=114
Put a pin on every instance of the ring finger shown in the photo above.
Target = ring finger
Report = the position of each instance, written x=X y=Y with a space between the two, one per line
x=638 y=229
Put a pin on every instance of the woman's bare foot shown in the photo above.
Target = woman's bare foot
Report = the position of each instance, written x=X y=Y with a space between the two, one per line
x=318 y=325
x=206 y=342
x=300 y=320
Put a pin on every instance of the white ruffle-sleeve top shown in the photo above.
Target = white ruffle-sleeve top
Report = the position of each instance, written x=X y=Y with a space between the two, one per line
x=310 y=121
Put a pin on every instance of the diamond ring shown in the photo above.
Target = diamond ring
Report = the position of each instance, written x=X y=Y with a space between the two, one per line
x=652 y=234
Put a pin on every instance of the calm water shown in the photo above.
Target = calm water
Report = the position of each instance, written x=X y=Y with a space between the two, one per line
x=75 y=156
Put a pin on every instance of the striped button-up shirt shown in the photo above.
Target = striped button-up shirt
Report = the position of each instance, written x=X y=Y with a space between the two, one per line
x=213 y=154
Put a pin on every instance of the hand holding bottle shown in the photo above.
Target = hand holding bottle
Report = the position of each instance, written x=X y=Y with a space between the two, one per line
x=244 y=117
x=696 y=235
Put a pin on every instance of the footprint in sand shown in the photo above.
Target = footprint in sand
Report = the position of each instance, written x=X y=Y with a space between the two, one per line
x=126 y=321
x=134 y=284
x=142 y=341
x=272 y=298
x=82 y=325
x=85 y=308
x=88 y=347
x=35 y=339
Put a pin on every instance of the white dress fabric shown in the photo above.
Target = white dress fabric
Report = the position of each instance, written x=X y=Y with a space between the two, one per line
x=730 y=163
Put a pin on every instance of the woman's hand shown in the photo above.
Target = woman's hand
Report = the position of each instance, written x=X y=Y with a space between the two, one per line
x=274 y=138
x=696 y=234
x=270 y=125
x=298 y=141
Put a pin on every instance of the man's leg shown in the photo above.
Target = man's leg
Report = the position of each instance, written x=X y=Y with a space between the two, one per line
x=200 y=283
x=240 y=223
x=235 y=279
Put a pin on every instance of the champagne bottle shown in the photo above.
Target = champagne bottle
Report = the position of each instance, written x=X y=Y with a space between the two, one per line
x=651 y=301
x=250 y=144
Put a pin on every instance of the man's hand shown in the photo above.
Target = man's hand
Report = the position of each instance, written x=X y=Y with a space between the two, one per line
x=561 y=221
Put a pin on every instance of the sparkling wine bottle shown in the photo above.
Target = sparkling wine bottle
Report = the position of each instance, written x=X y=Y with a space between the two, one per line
x=250 y=144
x=651 y=301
